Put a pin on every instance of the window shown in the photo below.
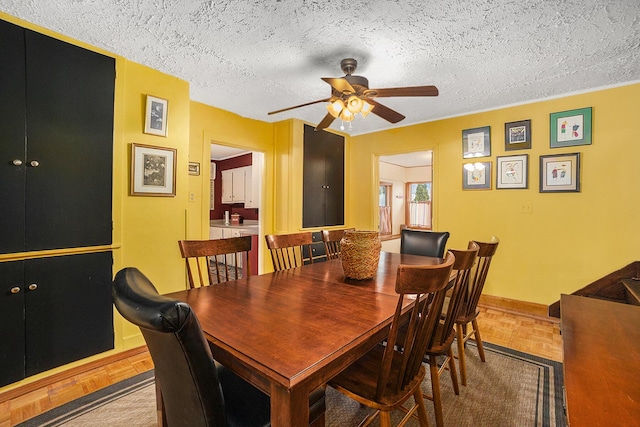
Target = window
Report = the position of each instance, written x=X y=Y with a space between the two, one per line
x=418 y=210
x=384 y=204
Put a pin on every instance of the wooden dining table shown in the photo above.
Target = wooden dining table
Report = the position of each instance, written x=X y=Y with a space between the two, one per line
x=289 y=332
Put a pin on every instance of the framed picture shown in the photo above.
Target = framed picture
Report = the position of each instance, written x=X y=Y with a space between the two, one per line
x=517 y=135
x=153 y=171
x=571 y=127
x=512 y=171
x=155 y=116
x=476 y=142
x=476 y=176
x=560 y=173
x=194 y=168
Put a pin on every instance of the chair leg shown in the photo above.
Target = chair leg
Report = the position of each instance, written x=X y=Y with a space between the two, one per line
x=435 y=390
x=452 y=371
x=461 y=358
x=422 y=408
x=476 y=334
x=385 y=419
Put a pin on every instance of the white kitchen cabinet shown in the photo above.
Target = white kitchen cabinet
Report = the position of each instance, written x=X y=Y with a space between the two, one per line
x=253 y=181
x=233 y=185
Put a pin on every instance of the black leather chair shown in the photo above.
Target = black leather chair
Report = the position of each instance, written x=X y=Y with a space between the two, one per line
x=196 y=391
x=425 y=243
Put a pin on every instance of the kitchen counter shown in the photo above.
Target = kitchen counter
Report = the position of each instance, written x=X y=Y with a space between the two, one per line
x=249 y=226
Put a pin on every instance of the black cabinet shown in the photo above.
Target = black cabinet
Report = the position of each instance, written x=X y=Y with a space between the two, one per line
x=56 y=143
x=54 y=310
x=56 y=162
x=323 y=179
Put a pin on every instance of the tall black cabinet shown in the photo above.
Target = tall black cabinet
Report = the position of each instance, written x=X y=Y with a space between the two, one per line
x=56 y=143
x=56 y=162
x=323 y=179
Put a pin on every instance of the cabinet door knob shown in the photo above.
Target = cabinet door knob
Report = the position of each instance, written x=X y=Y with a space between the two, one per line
x=15 y=289
x=34 y=163
x=33 y=287
x=17 y=162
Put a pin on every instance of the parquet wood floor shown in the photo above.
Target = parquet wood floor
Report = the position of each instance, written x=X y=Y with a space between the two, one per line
x=538 y=336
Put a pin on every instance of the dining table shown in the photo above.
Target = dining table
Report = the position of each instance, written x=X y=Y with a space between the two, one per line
x=289 y=332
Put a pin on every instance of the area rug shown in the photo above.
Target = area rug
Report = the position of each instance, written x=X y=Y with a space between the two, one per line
x=511 y=389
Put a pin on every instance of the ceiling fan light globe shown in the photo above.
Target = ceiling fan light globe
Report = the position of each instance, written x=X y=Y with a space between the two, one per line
x=335 y=107
x=366 y=108
x=346 y=115
x=354 y=104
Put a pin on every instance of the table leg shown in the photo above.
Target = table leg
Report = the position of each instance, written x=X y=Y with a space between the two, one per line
x=162 y=416
x=289 y=408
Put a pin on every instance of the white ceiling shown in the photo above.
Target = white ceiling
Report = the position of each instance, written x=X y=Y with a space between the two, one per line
x=254 y=56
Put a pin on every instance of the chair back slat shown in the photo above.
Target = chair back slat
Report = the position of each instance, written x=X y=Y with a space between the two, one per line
x=485 y=255
x=419 y=282
x=465 y=260
x=228 y=258
x=287 y=249
x=331 y=239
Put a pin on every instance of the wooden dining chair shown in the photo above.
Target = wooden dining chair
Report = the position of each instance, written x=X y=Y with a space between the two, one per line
x=441 y=342
x=331 y=239
x=195 y=389
x=288 y=250
x=422 y=242
x=387 y=377
x=228 y=258
x=469 y=310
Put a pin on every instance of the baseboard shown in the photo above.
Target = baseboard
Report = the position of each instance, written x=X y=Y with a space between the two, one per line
x=43 y=382
x=523 y=308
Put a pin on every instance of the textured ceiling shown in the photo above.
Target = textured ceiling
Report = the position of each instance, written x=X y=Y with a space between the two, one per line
x=255 y=56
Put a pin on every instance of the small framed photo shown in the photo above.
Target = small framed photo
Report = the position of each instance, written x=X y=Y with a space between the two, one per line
x=517 y=135
x=570 y=128
x=153 y=171
x=476 y=176
x=194 y=168
x=512 y=171
x=476 y=142
x=155 y=117
x=560 y=173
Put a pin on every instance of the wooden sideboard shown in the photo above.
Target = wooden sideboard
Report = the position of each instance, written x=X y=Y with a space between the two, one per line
x=601 y=343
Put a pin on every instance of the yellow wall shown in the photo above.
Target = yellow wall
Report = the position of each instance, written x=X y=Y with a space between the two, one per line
x=569 y=239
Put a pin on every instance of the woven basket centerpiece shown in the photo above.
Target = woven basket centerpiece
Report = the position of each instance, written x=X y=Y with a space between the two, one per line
x=360 y=252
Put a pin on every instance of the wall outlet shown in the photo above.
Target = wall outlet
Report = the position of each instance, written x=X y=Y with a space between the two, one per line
x=526 y=208
x=192 y=196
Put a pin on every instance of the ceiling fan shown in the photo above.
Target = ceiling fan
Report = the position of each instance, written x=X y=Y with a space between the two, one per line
x=351 y=95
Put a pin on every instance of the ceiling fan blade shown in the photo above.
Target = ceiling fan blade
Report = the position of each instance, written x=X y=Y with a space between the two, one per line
x=407 y=91
x=298 y=106
x=340 y=84
x=328 y=119
x=385 y=112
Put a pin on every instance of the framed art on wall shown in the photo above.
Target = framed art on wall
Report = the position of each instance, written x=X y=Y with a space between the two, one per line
x=560 y=173
x=570 y=128
x=476 y=142
x=476 y=176
x=155 y=116
x=517 y=135
x=153 y=171
x=512 y=171
x=194 y=168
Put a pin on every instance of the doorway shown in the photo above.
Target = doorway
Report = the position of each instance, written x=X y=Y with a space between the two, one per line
x=228 y=166
x=405 y=193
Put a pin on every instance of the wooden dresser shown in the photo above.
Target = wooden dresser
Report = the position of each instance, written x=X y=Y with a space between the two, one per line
x=601 y=343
